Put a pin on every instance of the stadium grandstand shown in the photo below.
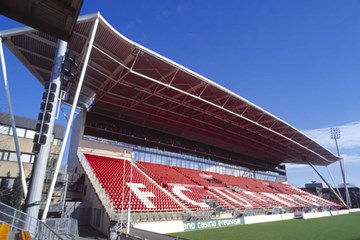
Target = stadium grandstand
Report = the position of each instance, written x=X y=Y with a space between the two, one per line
x=158 y=147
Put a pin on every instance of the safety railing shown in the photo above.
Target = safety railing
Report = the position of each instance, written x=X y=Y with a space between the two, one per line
x=64 y=227
x=22 y=221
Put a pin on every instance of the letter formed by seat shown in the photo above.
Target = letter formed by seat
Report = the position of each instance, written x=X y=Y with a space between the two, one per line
x=178 y=190
x=143 y=196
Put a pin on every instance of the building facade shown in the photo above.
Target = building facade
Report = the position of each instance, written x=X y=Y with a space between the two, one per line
x=25 y=129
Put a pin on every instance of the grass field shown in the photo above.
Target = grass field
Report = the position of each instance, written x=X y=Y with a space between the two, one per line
x=343 y=227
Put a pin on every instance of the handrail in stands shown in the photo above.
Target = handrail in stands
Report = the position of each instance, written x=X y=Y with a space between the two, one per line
x=22 y=221
x=102 y=194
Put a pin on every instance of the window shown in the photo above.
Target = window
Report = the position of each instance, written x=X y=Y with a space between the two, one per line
x=5 y=156
x=26 y=158
x=19 y=131
x=57 y=142
x=4 y=129
x=30 y=134
x=12 y=157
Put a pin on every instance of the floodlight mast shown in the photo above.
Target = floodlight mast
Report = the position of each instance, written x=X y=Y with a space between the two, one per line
x=335 y=134
x=71 y=117
x=39 y=168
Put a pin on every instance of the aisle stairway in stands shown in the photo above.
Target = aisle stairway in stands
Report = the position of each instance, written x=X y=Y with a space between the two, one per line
x=187 y=190
x=230 y=191
x=119 y=178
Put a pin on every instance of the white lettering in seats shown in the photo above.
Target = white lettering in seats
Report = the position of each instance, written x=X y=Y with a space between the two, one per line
x=143 y=196
x=178 y=191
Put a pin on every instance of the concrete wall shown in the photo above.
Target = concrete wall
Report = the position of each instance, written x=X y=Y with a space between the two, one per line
x=161 y=226
x=316 y=215
x=7 y=143
x=81 y=211
x=354 y=210
x=26 y=145
x=165 y=227
x=268 y=218
x=339 y=212
x=99 y=219
x=104 y=149
x=11 y=169
x=76 y=134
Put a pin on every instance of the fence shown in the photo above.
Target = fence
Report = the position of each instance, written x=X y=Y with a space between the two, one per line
x=64 y=227
x=22 y=221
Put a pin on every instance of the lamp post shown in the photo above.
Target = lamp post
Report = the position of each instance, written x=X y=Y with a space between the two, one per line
x=335 y=134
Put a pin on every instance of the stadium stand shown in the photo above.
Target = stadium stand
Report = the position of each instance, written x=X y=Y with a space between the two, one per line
x=163 y=188
x=115 y=176
x=136 y=101
x=187 y=190
x=164 y=174
x=234 y=198
x=205 y=179
x=193 y=197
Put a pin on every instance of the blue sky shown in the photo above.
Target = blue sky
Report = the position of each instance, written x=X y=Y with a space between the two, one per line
x=296 y=59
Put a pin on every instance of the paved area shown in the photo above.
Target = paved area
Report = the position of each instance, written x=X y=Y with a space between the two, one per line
x=87 y=232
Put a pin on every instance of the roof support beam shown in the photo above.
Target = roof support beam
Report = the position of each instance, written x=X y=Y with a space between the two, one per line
x=70 y=120
x=13 y=124
x=239 y=115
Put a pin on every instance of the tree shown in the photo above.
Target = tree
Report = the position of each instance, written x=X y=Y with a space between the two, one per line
x=17 y=195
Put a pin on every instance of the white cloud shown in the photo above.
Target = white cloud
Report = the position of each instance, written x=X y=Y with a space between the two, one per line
x=293 y=166
x=350 y=159
x=349 y=145
x=350 y=136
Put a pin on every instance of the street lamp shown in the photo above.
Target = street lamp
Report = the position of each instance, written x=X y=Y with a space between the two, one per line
x=335 y=134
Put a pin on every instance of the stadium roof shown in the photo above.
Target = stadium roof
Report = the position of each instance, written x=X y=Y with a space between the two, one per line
x=55 y=17
x=129 y=82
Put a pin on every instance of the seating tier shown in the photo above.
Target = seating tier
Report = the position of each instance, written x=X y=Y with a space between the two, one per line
x=197 y=190
x=164 y=174
x=200 y=177
x=115 y=177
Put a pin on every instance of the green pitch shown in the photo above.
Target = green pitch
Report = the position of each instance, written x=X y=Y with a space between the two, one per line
x=343 y=227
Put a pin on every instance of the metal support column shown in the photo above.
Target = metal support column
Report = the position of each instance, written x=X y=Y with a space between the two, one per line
x=128 y=222
x=71 y=117
x=327 y=184
x=332 y=179
x=13 y=124
x=39 y=167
